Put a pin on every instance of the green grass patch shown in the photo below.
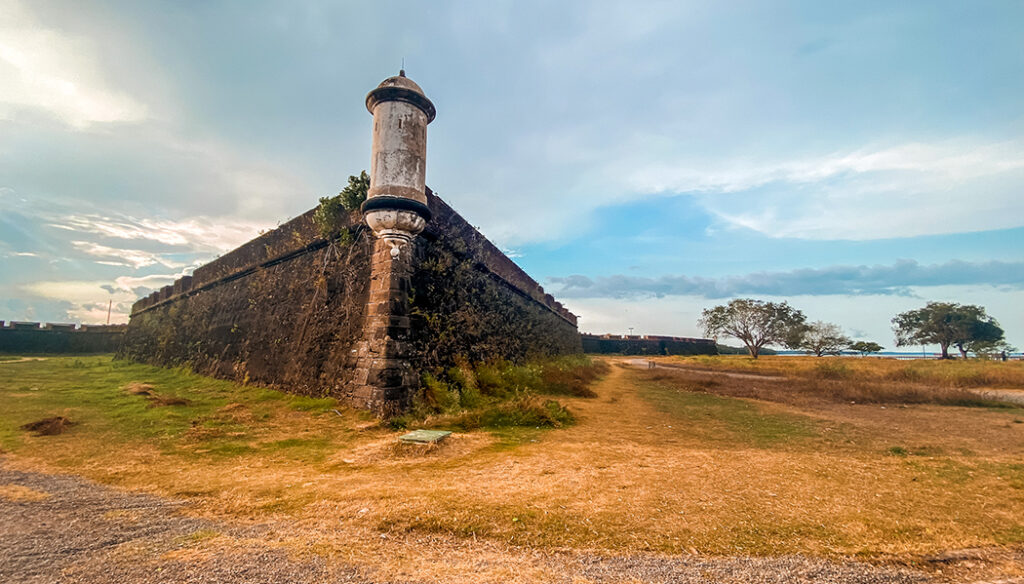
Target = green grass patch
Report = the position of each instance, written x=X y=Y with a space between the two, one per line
x=320 y=405
x=904 y=452
x=301 y=449
x=728 y=420
x=1013 y=535
x=198 y=536
x=215 y=417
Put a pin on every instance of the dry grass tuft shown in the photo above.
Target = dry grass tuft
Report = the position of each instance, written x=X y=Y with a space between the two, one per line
x=21 y=493
x=155 y=400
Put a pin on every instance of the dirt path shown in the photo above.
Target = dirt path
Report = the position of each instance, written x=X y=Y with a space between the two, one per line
x=1015 y=396
x=22 y=360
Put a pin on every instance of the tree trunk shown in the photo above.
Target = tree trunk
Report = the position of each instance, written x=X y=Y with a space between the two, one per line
x=754 y=350
x=945 y=350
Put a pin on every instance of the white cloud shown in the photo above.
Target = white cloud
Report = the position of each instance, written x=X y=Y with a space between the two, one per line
x=907 y=190
x=78 y=292
x=87 y=300
x=96 y=313
x=133 y=284
x=927 y=165
x=134 y=258
x=200 y=234
x=42 y=69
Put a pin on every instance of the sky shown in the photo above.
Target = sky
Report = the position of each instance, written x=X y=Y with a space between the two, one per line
x=642 y=160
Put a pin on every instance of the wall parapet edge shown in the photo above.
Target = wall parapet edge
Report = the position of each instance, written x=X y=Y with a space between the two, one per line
x=494 y=260
x=300 y=236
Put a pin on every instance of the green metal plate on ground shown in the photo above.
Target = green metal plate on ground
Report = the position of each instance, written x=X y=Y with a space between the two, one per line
x=424 y=436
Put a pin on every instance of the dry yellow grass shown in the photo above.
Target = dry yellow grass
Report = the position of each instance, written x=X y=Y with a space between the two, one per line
x=649 y=467
x=942 y=373
x=21 y=493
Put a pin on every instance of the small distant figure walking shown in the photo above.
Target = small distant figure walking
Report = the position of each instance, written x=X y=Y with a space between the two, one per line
x=1003 y=355
x=651 y=365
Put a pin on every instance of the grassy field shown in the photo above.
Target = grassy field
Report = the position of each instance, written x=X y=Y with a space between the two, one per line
x=674 y=462
x=930 y=372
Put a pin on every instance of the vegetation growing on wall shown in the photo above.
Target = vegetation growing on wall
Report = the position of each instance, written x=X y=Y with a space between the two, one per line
x=462 y=311
x=333 y=212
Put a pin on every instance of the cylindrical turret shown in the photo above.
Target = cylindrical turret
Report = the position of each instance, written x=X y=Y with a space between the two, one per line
x=396 y=205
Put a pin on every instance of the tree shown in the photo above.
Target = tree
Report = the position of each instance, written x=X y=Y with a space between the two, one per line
x=946 y=324
x=865 y=347
x=353 y=195
x=755 y=322
x=988 y=349
x=984 y=336
x=823 y=338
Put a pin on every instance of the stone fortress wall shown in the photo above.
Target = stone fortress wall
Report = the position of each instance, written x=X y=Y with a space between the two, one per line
x=32 y=337
x=299 y=237
x=288 y=308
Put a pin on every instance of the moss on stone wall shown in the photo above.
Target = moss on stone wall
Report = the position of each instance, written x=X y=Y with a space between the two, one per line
x=460 y=310
x=292 y=324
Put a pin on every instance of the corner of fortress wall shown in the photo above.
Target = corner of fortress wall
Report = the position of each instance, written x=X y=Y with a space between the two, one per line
x=288 y=309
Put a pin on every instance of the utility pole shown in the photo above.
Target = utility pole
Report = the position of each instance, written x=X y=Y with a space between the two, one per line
x=109 y=304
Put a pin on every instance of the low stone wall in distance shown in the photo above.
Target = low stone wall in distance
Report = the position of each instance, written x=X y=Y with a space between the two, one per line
x=647 y=345
x=33 y=337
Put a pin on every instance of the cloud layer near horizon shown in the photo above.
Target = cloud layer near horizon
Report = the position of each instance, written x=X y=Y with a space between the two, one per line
x=896 y=279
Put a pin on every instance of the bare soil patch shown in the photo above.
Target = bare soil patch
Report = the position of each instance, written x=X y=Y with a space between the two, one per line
x=51 y=426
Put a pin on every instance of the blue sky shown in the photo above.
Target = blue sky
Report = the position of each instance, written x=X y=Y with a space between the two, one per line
x=641 y=160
